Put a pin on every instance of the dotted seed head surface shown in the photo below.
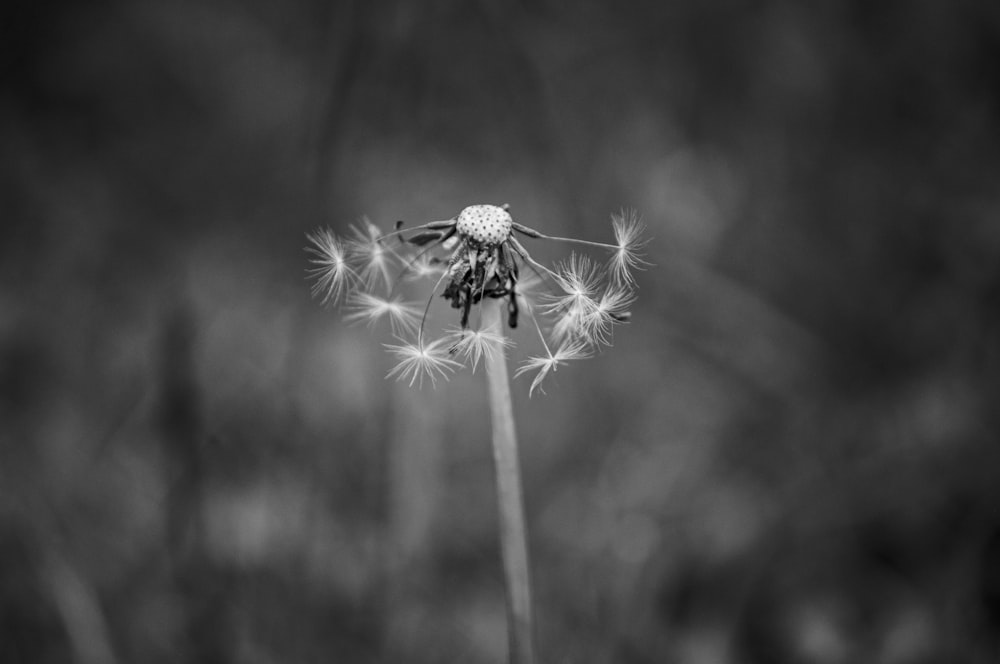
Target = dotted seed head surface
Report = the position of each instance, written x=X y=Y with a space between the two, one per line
x=487 y=224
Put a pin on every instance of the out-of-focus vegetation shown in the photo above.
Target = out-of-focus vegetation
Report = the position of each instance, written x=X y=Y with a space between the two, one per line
x=790 y=455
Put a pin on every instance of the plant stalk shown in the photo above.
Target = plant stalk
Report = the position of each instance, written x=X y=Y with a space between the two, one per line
x=510 y=502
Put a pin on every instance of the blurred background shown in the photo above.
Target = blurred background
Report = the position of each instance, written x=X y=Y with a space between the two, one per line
x=790 y=455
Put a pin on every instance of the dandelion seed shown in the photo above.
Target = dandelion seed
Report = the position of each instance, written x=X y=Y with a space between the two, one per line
x=371 y=257
x=333 y=275
x=422 y=267
x=611 y=309
x=573 y=325
x=565 y=353
x=418 y=361
x=529 y=292
x=579 y=280
x=579 y=277
x=629 y=231
x=528 y=288
x=368 y=308
x=473 y=345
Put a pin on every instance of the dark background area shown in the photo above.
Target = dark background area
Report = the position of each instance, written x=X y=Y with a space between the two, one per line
x=790 y=455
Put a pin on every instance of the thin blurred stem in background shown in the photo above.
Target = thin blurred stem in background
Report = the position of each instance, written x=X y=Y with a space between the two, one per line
x=415 y=463
x=513 y=532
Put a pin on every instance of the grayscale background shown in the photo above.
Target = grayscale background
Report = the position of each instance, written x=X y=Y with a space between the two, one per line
x=791 y=454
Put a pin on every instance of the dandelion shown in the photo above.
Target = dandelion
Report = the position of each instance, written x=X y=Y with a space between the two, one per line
x=477 y=256
x=480 y=267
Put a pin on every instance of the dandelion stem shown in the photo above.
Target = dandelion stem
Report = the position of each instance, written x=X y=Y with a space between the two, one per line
x=530 y=232
x=433 y=225
x=526 y=257
x=513 y=532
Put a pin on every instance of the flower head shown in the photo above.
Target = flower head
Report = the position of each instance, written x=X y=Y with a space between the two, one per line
x=478 y=254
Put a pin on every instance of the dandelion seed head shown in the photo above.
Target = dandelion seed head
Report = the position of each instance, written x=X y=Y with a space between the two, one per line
x=486 y=224
x=475 y=257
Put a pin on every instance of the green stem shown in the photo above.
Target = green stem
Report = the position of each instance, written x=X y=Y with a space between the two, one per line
x=513 y=533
